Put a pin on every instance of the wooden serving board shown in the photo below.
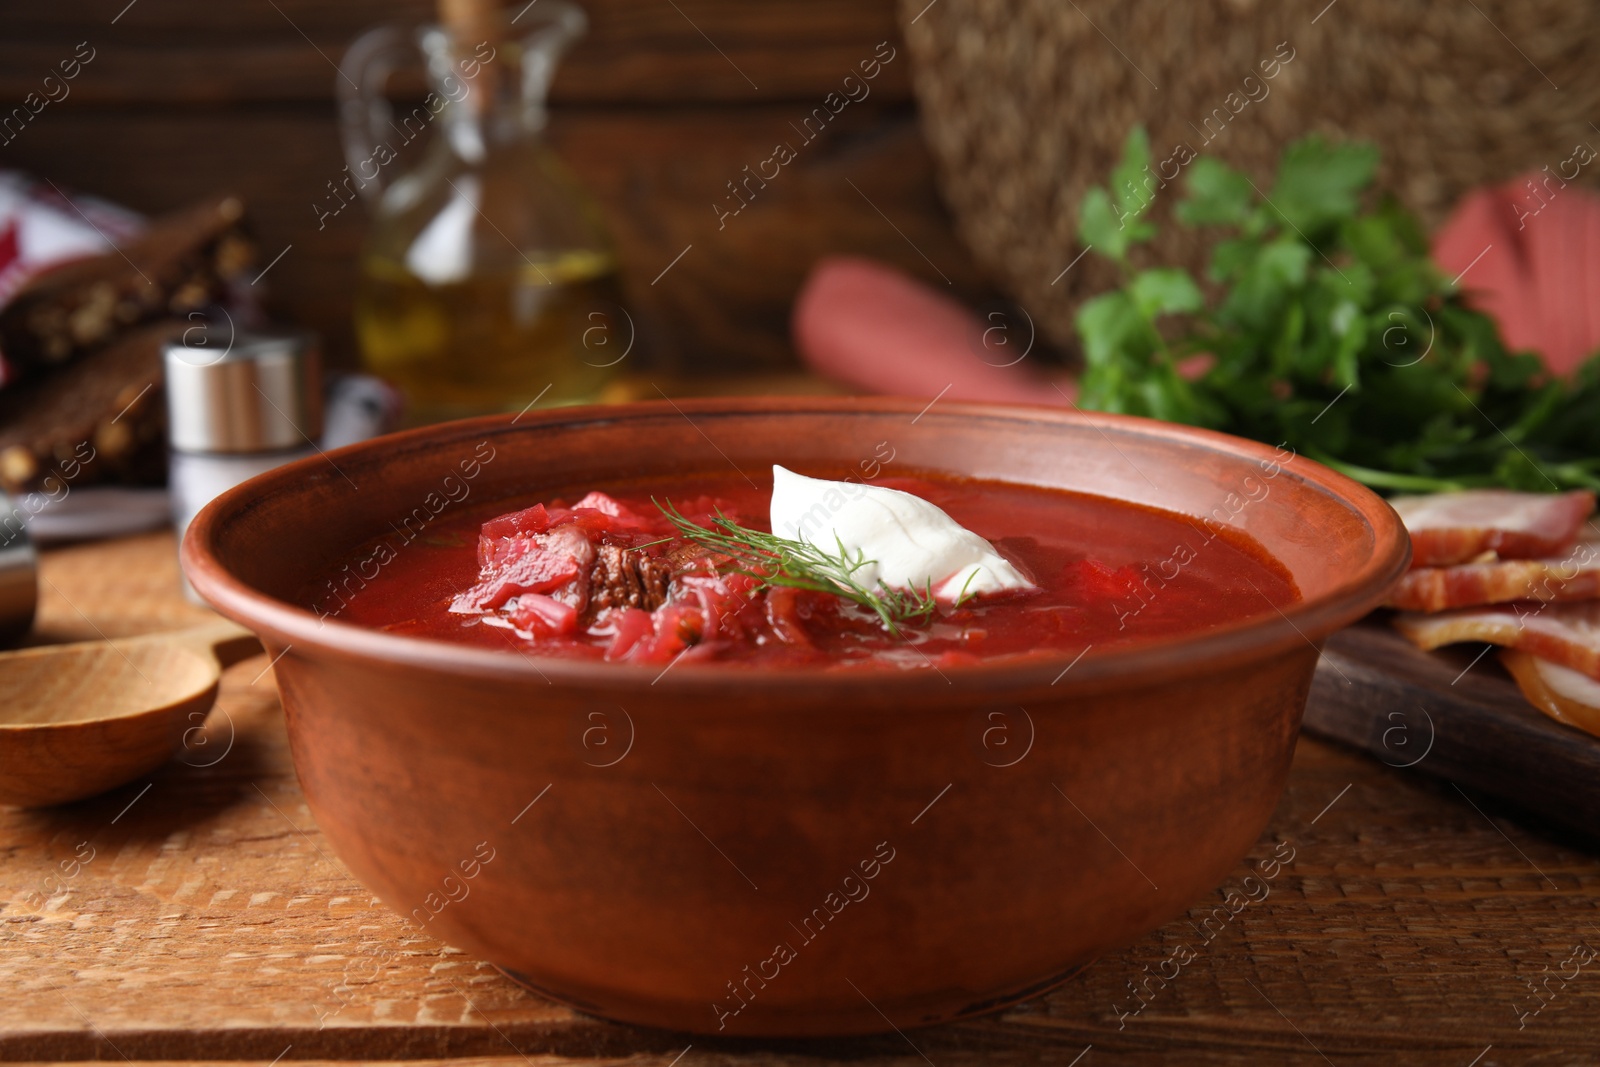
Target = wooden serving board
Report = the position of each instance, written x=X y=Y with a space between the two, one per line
x=1456 y=714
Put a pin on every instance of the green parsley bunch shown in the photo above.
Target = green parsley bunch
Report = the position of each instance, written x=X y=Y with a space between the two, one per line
x=1327 y=329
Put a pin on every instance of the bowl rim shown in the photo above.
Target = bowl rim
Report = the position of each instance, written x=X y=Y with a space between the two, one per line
x=1302 y=624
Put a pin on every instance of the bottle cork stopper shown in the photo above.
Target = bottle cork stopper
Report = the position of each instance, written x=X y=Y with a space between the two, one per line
x=472 y=21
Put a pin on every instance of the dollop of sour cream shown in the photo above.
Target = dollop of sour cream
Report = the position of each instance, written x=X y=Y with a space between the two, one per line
x=910 y=543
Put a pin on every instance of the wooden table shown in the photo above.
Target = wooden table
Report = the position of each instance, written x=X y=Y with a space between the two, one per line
x=198 y=915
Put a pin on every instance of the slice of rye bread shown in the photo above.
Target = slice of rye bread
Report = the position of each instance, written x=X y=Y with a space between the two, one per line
x=101 y=418
x=182 y=263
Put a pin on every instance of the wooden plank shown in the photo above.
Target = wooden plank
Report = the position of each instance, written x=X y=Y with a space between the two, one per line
x=636 y=116
x=636 y=51
x=723 y=308
x=211 y=923
x=1456 y=714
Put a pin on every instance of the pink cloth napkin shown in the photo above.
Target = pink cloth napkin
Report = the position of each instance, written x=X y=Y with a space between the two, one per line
x=41 y=228
x=868 y=325
x=1527 y=252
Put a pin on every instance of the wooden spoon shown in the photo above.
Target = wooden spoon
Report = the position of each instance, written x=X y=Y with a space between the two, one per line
x=78 y=719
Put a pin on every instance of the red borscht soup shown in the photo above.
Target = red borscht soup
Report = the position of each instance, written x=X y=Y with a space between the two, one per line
x=603 y=574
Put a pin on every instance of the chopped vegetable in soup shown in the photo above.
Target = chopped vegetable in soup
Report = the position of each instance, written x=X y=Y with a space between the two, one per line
x=911 y=572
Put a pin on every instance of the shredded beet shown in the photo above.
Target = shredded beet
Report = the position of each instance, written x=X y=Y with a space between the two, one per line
x=602 y=570
x=608 y=576
x=534 y=563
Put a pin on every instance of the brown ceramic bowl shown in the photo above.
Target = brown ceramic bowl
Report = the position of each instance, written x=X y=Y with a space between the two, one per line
x=751 y=852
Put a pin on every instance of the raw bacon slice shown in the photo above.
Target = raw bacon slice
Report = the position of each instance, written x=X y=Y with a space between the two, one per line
x=1567 y=635
x=1573 y=575
x=1455 y=527
x=1561 y=693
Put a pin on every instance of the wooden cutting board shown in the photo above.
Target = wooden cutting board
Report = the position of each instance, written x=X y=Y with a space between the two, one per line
x=1454 y=713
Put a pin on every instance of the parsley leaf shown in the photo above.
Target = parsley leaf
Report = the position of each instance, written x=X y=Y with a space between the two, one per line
x=1327 y=329
x=1111 y=222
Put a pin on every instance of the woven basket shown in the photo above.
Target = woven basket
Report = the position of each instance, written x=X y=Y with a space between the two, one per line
x=1026 y=103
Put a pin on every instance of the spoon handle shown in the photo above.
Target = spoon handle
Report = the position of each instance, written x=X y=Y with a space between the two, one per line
x=227 y=642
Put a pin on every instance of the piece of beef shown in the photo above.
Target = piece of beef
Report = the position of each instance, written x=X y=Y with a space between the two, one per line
x=627 y=578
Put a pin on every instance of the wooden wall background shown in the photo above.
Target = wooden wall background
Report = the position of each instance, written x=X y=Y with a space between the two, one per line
x=185 y=98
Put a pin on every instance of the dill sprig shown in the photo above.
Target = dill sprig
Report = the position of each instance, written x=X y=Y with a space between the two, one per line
x=774 y=560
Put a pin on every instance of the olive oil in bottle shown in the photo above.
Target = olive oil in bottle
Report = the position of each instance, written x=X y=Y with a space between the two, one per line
x=488 y=281
x=551 y=332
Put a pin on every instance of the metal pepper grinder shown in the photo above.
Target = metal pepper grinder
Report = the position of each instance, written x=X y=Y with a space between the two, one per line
x=19 y=582
x=238 y=405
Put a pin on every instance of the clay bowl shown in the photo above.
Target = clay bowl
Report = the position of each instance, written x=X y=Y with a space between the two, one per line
x=791 y=852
